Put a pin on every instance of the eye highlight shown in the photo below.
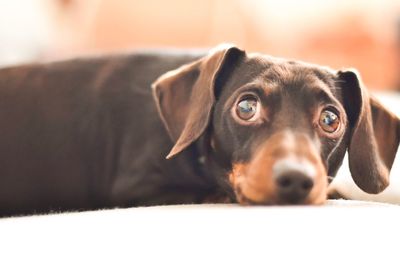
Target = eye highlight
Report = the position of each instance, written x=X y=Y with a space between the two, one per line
x=329 y=121
x=247 y=108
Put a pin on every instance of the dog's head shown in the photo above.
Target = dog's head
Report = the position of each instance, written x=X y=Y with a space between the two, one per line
x=280 y=128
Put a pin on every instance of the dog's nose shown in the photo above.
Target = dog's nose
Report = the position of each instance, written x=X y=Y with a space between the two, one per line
x=293 y=186
x=293 y=180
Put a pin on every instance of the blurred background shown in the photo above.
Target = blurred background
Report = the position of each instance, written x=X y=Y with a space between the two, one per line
x=348 y=33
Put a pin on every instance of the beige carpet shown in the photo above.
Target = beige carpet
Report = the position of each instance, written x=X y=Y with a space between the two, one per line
x=340 y=231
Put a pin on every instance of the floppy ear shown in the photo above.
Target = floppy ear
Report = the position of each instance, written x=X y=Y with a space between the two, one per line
x=374 y=136
x=185 y=96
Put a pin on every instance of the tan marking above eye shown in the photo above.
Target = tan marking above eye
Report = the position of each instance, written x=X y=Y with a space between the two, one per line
x=329 y=121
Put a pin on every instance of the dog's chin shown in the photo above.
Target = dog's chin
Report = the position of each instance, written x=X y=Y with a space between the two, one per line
x=244 y=200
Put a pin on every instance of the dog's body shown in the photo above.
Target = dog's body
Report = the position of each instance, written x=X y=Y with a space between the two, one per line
x=86 y=134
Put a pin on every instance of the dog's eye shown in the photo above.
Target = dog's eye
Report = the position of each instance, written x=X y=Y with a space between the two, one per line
x=329 y=121
x=246 y=109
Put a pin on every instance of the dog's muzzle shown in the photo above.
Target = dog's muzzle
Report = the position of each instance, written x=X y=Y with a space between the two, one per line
x=286 y=169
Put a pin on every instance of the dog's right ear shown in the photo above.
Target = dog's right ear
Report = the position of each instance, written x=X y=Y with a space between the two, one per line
x=185 y=96
x=375 y=135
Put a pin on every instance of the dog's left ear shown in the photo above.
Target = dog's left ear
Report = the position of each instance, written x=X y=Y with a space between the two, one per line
x=375 y=135
x=185 y=96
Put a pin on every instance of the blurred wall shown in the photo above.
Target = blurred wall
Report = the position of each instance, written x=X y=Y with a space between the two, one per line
x=26 y=30
x=360 y=34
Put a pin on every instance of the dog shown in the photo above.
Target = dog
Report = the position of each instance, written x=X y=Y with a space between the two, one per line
x=154 y=128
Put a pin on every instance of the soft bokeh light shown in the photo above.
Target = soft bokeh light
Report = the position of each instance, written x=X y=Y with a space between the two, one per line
x=360 y=34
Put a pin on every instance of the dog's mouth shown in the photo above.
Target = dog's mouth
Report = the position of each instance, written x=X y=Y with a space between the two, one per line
x=274 y=200
x=244 y=200
x=264 y=187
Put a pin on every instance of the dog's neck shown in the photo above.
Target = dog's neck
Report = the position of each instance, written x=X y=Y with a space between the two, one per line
x=213 y=166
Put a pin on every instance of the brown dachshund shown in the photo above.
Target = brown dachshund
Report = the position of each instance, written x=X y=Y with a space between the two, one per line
x=92 y=133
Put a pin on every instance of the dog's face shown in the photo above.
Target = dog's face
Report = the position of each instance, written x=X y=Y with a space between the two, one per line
x=279 y=128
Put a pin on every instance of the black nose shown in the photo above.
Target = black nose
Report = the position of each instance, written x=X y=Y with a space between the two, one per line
x=293 y=186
